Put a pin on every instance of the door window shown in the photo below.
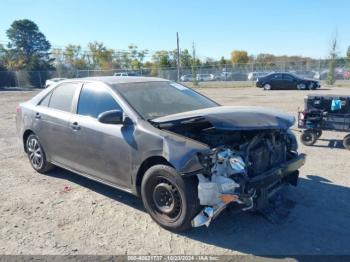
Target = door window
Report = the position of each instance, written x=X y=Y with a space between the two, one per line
x=288 y=77
x=46 y=100
x=95 y=100
x=62 y=97
x=276 y=77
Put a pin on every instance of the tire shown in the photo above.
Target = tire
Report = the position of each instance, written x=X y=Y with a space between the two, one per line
x=301 y=86
x=308 y=138
x=318 y=133
x=171 y=200
x=36 y=155
x=311 y=86
x=267 y=87
x=346 y=142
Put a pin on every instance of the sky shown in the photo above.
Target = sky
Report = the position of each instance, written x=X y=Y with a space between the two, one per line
x=280 y=27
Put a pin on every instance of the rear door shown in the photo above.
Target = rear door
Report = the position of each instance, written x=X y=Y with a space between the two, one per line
x=52 y=119
x=102 y=150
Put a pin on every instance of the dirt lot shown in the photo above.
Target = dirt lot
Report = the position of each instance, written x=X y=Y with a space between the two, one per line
x=62 y=213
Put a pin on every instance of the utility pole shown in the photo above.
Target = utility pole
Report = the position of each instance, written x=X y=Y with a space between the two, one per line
x=193 y=52
x=194 y=65
x=178 y=57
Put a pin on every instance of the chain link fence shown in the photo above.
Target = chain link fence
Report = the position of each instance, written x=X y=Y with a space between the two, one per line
x=318 y=69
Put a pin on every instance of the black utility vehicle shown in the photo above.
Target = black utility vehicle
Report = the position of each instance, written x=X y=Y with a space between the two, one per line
x=324 y=112
x=286 y=81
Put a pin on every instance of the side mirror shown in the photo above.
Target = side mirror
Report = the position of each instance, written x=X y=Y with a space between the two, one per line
x=114 y=117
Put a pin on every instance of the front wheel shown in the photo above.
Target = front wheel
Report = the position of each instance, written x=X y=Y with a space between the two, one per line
x=312 y=86
x=36 y=155
x=170 y=199
x=308 y=138
x=346 y=142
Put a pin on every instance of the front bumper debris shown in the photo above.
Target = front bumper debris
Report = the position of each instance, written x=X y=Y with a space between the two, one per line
x=268 y=183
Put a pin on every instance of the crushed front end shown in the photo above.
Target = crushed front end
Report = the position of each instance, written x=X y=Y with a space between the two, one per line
x=246 y=171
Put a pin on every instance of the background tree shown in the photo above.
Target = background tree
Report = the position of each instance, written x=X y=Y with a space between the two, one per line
x=74 y=57
x=333 y=54
x=239 y=57
x=102 y=57
x=136 y=57
x=185 y=58
x=30 y=45
x=222 y=62
x=161 y=60
x=10 y=59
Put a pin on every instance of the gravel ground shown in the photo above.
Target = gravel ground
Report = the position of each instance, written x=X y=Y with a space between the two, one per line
x=62 y=213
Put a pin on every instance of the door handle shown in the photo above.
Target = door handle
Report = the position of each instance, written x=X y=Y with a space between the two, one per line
x=37 y=115
x=75 y=126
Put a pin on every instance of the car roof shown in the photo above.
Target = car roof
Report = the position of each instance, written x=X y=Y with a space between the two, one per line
x=112 y=80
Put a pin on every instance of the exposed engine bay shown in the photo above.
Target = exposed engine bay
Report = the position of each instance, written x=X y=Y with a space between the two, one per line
x=243 y=167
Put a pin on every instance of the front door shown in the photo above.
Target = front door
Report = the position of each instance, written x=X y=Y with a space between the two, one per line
x=101 y=149
x=289 y=82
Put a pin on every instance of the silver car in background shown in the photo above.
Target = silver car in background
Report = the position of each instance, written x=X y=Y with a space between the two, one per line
x=187 y=157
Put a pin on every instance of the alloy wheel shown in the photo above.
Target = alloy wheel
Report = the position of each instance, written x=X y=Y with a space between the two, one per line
x=35 y=153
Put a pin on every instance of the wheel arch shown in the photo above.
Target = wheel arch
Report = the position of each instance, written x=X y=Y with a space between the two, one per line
x=146 y=164
x=25 y=136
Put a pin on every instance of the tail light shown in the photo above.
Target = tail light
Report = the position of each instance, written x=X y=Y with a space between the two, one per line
x=302 y=115
x=18 y=109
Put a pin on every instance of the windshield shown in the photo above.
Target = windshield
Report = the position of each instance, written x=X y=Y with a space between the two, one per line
x=157 y=99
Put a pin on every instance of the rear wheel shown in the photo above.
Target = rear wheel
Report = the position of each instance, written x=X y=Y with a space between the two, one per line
x=308 y=138
x=36 y=155
x=346 y=142
x=170 y=199
x=267 y=87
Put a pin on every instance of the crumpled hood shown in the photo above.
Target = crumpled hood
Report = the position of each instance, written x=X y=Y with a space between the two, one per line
x=234 y=118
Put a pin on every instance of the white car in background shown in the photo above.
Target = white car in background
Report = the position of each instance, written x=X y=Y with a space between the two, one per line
x=124 y=74
x=205 y=77
x=52 y=81
x=186 y=78
x=253 y=76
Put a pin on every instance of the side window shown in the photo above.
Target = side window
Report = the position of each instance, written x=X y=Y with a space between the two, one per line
x=277 y=76
x=62 y=97
x=46 y=100
x=288 y=77
x=95 y=100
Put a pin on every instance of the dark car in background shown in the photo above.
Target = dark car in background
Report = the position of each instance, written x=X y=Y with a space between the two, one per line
x=184 y=154
x=286 y=81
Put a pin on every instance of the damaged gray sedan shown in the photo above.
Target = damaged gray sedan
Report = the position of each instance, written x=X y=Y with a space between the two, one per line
x=186 y=156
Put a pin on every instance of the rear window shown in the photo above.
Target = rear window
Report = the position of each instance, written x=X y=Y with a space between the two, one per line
x=46 y=100
x=62 y=97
